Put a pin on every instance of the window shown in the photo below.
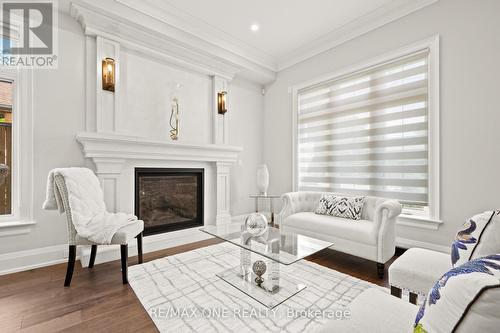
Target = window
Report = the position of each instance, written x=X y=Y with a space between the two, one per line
x=368 y=133
x=5 y=147
x=16 y=149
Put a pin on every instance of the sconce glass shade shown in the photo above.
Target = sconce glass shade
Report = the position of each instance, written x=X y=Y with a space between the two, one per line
x=108 y=74
x=221 y=102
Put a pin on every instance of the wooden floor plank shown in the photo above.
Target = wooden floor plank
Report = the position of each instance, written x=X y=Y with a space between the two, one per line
x=97 y=301
x=54 y=324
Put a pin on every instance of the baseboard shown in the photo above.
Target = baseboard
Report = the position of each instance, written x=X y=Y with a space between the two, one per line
x=19 y=261
x=40 y=257
x=150 y=244
x=30 y=259
x=406 y=243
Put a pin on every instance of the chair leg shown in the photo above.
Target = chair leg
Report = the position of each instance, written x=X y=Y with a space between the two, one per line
x=93 y=253
x=71 y=265
x=139 y=247
x=395 y=291
x=413 y=298
x=124 y=254
x=380 y=270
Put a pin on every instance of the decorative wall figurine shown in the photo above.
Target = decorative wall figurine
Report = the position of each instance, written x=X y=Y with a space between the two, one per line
x=174 y=119
x=174 y=113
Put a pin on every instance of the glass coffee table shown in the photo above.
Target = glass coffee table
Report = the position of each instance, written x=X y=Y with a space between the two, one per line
x=270 y=288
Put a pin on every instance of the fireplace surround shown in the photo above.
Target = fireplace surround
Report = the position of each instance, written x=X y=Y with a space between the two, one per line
x=115 y=156
x=169 y=199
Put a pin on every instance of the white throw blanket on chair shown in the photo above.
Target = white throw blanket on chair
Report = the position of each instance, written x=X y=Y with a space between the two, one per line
x=86 y=201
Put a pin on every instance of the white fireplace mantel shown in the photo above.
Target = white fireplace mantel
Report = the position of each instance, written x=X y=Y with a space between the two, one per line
x=107 y=147
x=110 y=152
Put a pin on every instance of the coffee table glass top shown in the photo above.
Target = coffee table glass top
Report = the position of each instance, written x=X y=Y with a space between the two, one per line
x=283 y=247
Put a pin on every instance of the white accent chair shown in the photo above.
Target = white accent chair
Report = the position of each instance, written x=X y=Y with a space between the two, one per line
x=122 y=237
x=372 y=237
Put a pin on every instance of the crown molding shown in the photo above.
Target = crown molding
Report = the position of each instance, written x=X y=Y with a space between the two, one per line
x=364 y=24
x=156 y=39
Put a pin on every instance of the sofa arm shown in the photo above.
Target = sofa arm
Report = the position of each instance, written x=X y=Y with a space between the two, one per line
x=385 y=223
x=393 y=208
x=296 y=202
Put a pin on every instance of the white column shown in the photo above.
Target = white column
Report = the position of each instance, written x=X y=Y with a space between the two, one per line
x=108 y=171
x=223 y=193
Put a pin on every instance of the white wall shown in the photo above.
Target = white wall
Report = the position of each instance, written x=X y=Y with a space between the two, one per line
x=147 y=87
x=470 y=53
x=59 y=113
x=246 y=108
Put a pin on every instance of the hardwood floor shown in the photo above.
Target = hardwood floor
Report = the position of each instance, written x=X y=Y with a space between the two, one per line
x=36 y=301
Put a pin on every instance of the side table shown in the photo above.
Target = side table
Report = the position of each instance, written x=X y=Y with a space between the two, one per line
x=269 y=197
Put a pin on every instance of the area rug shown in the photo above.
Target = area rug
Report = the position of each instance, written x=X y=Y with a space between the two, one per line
x=181 y=293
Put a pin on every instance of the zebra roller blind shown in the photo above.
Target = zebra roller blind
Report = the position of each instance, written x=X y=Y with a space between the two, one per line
x=366 y=133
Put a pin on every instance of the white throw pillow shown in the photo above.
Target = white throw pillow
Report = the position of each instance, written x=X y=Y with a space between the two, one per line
x=464 y=299
x=478 y=237
x=346 y=207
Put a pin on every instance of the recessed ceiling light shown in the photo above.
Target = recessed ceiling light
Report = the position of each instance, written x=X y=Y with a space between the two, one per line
x=254 y=27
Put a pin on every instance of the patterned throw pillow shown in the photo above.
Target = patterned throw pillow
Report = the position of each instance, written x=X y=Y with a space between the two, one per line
x=346 y=207
x=478 y=237
x=465 y=296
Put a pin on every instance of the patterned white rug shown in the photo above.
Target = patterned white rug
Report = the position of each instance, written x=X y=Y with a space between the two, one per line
x=181 y=293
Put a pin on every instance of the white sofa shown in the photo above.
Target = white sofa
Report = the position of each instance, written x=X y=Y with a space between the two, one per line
x=374 y=311
x=372 y=237
x=467 y=303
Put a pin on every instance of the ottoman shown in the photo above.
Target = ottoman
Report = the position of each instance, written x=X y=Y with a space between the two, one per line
x=417 y=270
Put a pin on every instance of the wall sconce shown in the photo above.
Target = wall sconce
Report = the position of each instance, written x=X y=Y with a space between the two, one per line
x=221 y=102
x=108 y=74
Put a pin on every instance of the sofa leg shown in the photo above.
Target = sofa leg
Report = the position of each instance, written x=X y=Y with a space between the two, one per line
x=413 y=298
x=395 y=291
x=380 y=270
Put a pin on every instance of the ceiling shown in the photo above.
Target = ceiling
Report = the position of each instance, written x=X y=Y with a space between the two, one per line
x=290 y=31
x=285 y=25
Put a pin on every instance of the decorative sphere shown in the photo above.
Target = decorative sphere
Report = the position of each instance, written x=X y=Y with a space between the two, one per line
x=259 y=268
x=256 y=224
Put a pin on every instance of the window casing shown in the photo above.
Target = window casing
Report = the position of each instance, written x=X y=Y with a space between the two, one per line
x=373 y=130
x=21 y=216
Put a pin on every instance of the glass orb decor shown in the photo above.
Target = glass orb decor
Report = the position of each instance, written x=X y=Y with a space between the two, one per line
x=259 y=268
x=256 y=224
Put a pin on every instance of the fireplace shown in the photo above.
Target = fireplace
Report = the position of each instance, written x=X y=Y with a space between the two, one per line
x=169 y=199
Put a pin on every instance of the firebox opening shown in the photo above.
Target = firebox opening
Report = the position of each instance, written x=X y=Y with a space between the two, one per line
x=168 y=199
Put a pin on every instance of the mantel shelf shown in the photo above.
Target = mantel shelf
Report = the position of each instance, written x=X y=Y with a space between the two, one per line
x=107 y=147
